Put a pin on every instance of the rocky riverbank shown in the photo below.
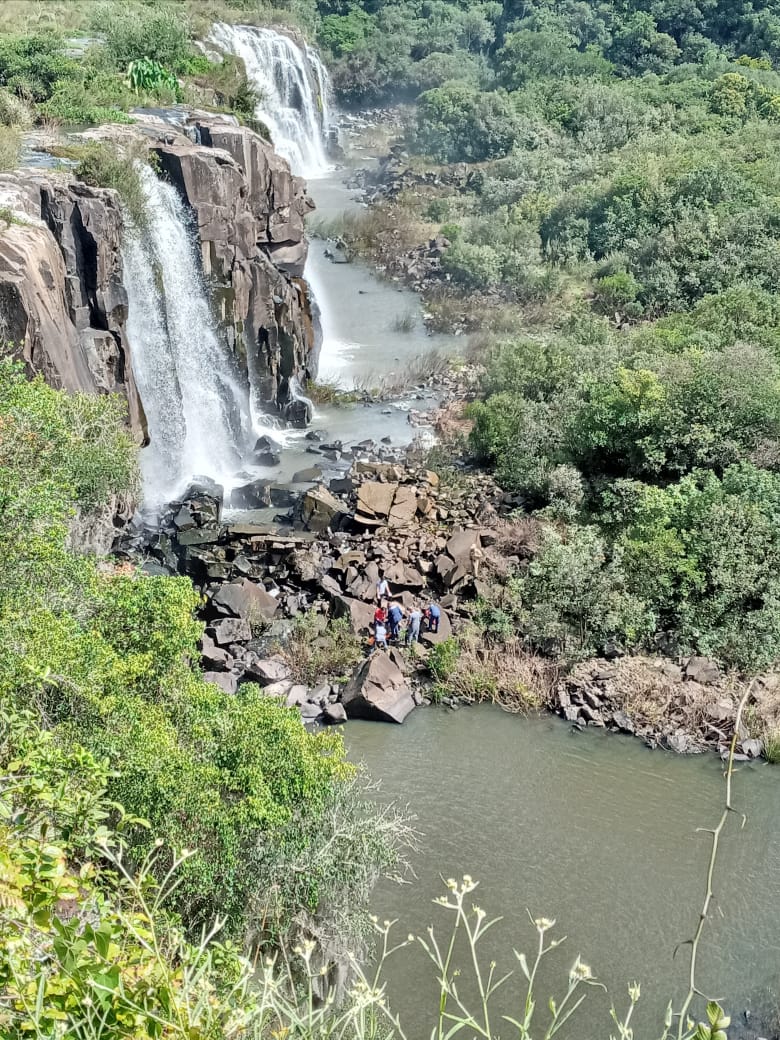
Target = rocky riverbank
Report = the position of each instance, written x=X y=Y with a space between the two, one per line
x=366 y=511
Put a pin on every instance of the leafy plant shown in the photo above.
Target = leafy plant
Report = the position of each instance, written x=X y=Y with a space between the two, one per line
x=145 y=75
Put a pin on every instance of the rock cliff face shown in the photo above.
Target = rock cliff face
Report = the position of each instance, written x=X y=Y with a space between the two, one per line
x=63 y=305
x=249 y=211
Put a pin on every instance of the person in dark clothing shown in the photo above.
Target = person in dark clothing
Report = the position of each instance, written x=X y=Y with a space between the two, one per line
x=394 y=618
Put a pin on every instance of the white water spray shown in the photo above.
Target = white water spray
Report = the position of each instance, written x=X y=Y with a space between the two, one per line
x=194 y=406
x=294 y=88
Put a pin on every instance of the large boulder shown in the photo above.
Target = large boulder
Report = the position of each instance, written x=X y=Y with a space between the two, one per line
x=231 y=630
x=244 y=599
x=404 y=507
x=378 y=691
x=375 y=501
x=320 y=510
x=266 y=672
x=460 y=544
x=254 y=495
x=360 y=613
x=445 y=631
x=227 y=681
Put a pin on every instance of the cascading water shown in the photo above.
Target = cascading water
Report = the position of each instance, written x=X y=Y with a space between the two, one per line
x=293 y=85
x=195 y=407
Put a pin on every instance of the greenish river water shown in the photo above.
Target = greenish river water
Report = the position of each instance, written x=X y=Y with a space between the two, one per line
x=591 y=829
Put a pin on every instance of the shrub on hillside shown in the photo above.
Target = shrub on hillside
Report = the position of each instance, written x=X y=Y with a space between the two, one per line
x=458 y=123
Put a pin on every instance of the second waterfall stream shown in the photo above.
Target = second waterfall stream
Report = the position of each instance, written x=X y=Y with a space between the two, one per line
x=293 y=87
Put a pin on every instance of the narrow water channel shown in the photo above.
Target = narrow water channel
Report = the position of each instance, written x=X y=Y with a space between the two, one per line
x=591 y=829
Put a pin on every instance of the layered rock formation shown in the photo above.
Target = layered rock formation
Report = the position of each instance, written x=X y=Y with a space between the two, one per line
x=249 y=211
x=63 y=307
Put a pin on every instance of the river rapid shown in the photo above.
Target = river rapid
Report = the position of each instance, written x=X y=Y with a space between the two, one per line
x=596 y=831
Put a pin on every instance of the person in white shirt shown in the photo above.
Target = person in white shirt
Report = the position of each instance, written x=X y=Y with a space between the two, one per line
x=382 y=591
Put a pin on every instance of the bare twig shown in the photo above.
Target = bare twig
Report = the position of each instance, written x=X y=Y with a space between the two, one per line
x=693 y=989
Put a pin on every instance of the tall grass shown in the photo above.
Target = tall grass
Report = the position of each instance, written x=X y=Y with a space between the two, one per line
x=289 y=995
x=10 y=145
x=772 y=745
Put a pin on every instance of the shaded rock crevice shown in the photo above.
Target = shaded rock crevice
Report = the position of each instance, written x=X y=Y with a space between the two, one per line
x=63 y=306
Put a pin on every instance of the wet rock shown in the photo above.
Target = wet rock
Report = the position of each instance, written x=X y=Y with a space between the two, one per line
x=378 y=691
x=752 y=747
x=255 y=495
x=282 y=497
x=680 y=742
x=623 y=722
x=205 y=535
x=341 y=486
x=268 y=459
x=307 y=476
x=298 y=412
x=266 y=443
x=334 y=714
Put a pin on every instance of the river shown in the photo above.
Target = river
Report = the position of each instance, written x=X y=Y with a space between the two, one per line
x=594 y=830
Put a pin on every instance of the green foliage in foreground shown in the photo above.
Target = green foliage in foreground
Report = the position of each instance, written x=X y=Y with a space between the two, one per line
x=90 y=951
x=109 y=659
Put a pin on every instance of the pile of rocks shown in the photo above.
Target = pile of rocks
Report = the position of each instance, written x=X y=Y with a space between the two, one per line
x=687 y=707
x=325 y=556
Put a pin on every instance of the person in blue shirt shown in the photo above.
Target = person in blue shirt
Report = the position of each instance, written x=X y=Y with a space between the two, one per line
x=394 y=618
x=432 y=616
x=413 y=627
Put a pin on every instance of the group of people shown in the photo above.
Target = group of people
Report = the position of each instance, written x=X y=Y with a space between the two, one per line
x=389 y=617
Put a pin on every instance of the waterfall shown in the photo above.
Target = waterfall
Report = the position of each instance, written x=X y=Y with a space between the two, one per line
x=194 y=405
x=293 y=85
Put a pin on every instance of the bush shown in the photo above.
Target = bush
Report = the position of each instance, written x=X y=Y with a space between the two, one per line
x=14 y=112
x=473 y=266
x=443 y=659
x=109 y=661
x=30 y=66
x=319 y=649
x=104 y=165
x=458 y=123
x=131 y=34
x=575 y=598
